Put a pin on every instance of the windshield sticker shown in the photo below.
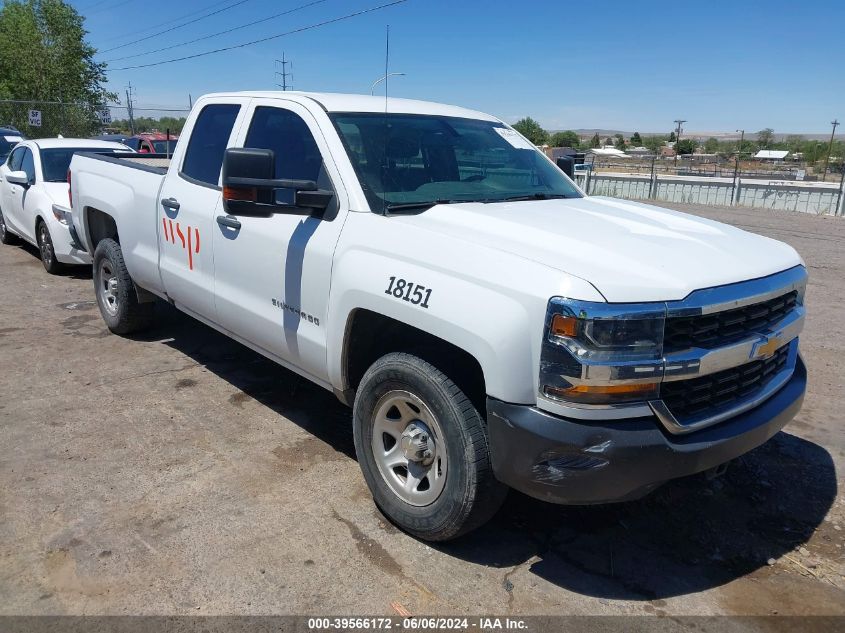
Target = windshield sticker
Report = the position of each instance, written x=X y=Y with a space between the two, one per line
x=513 y=138
x=13 y=139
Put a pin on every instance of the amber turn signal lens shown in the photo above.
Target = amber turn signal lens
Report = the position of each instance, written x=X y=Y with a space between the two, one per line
x=240 y=193
x=604 y=394
x=564 y=325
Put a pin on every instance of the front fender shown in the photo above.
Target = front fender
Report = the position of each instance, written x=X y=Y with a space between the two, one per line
x=490 y=305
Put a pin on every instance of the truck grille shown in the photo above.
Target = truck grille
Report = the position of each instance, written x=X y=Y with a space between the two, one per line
x=714 y=330
x=689 y=398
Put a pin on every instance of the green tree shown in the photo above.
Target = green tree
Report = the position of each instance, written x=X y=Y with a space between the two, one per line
x=672 y=137
x=595 y=142
x=794 y=142
x=531 y=130
x=685 y=146
x=765 y=137
x=619 y=142
x=654 y=143
x=711 y=145
x=636 y=139
x=565 y=139
x=44 y=57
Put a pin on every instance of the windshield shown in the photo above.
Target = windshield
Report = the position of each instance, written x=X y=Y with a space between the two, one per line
x=416 y=161
x=161 y=147
x=55 y=162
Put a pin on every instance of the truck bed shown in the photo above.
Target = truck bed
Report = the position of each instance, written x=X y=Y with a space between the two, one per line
x=126 y=188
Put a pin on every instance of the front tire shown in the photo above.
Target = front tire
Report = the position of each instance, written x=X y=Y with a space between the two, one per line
x=423 y=449
x=6 y=236
x=46 y=249
x=115 y=291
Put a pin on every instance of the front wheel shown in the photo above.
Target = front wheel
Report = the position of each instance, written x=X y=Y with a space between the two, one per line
x=115 y=291
x=423 y=449
x=46 y=250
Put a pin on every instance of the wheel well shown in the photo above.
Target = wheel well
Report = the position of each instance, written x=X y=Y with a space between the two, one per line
x=370 y=335
x=38 y=220
x=100 y=226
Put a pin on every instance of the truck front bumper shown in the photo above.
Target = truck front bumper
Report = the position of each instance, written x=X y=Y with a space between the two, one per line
x=576 y=462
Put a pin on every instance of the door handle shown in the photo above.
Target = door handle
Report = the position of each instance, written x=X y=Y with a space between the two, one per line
x=170 y=203
x=229 y=222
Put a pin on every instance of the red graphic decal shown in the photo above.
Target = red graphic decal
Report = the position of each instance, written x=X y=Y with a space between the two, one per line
x=191 y=243
x=190 y=250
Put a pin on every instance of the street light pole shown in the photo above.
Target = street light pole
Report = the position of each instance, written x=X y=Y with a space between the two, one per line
x=380 y=79
x=834 y=123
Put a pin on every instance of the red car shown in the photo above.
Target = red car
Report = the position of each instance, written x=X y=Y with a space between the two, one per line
x=152 y=143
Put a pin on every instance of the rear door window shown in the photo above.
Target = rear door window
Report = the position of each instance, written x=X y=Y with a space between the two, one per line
x=15 y=159
x=208 y=141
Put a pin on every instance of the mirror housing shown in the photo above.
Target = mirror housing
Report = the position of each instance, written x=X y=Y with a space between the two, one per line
x=18 y=178
x=567 y=166
x=249 y=186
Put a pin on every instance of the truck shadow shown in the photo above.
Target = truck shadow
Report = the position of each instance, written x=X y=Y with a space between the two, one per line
x=688 y=536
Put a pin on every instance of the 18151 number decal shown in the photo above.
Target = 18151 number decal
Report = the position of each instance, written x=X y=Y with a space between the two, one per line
x=409 y=291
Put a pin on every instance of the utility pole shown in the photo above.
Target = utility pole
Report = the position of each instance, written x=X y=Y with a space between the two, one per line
x=739 y=151
x=130 y=108
x=678 y=137
x=834 y=123
x=284 y=74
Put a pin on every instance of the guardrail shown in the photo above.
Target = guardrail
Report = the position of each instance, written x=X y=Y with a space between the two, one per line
x=804 y=197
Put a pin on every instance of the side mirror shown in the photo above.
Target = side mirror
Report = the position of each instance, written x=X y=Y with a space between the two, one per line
x=567 y=165
x=249 y=187
x=18 y=178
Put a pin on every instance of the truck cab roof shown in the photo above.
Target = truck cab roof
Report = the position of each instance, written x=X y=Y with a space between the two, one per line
x=339 y=102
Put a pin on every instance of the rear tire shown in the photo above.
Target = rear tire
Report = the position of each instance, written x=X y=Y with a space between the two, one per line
x=46 y=250
x=6 y=236
x=116 y=293
x=437 y=488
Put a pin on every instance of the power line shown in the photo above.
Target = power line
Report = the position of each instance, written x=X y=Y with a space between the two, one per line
x=89 y=13
x=173 y=28
x=155 y=26
x=284 y=74
x=264 y=39
x=227 y=31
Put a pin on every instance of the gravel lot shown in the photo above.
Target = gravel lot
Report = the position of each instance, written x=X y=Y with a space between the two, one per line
x=181 y=473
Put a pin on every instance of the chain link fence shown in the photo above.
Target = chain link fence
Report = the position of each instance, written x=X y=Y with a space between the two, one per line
x=44 y=119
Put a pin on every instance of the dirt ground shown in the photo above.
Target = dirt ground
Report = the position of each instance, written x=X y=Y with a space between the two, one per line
x=181 y=473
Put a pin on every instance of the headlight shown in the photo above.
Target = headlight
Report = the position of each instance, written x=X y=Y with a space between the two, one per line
x=62 y=214
x=602 y=354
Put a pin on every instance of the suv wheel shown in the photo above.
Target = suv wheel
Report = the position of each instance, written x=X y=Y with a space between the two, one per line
x=423 y=449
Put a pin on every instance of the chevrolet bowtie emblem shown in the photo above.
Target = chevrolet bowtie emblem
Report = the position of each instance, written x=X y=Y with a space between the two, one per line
x=766 y=347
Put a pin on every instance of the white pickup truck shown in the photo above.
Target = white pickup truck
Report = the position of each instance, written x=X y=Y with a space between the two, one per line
x=490 y=325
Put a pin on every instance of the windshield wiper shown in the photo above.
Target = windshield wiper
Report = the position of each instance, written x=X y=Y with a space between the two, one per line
x=415 y=206
x=532 y=196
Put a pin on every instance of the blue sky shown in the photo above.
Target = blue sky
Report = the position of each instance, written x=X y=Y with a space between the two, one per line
x=632 y=65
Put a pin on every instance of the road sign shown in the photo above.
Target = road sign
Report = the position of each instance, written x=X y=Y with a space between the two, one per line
x=105 y=116
x=35 y=118
x=799 y=175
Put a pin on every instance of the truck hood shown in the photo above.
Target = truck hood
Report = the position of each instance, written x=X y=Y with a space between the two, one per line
x=630 y=252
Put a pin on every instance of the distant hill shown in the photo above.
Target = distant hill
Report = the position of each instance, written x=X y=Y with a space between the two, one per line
x=722 y=136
